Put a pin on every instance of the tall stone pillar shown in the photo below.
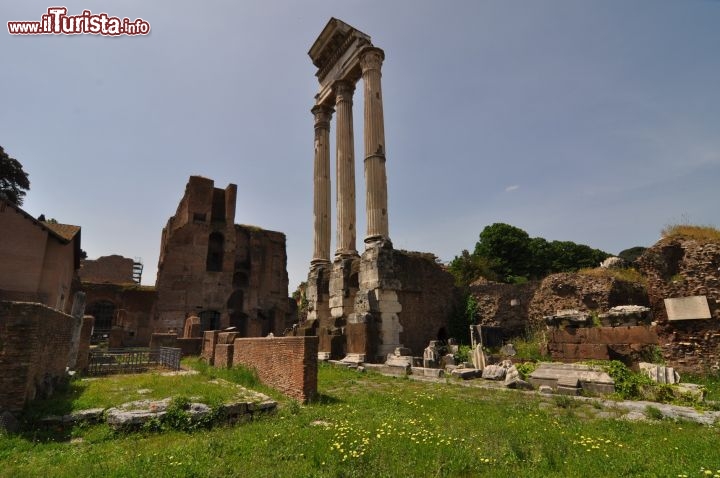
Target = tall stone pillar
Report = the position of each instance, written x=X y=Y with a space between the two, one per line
x=375 y=176
x=321 y=203
x=345 y=183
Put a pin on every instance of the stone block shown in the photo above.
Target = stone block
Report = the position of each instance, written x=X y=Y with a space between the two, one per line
x=227 y=337
x=493 y=372
x=223 y=355
x=208 y=347
x=687 y=308
x=572 y=391
x=465 y=373
x=428 y=372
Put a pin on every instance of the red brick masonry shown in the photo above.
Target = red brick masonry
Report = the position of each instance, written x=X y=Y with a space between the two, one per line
x=288 y=364
x=35 y=343
x=598 y=342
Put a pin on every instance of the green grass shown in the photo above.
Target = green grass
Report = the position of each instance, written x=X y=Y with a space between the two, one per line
x=375 y=426
x=626 y=275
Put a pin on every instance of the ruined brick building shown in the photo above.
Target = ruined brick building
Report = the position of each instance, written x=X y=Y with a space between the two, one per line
x=226 y=274
x=38 y=259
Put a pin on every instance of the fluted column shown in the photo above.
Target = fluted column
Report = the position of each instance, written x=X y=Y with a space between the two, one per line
x=345 y=170
x=321 y=192
x=375 y=176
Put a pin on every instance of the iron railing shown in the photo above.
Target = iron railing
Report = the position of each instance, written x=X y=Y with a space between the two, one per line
x=132 y=360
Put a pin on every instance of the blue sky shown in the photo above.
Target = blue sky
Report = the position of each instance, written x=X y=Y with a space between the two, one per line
x=591 y=121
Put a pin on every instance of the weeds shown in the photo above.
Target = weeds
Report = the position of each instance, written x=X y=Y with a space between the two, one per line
x=709 y=233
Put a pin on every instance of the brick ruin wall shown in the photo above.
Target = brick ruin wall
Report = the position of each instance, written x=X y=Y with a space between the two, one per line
x=427 y=296
x=35 y=345
x=112 y=269
x=210 y=265
x=134 y=321
x=627 y=344
x=287 y=364
x=504 y=305
x=684 y=267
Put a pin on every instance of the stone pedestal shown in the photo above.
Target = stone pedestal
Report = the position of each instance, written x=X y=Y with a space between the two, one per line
x=318 y=293
x=343 y=288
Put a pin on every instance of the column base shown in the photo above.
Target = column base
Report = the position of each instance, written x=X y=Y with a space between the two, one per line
x=377 y=241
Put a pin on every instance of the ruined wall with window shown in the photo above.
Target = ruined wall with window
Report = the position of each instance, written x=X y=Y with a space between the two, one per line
x=226 y=274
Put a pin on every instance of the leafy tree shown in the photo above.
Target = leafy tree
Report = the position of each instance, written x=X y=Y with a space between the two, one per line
x=14 y=180
x=507 y=248
x=509 y=253
x=541 y=253
x=467 y=268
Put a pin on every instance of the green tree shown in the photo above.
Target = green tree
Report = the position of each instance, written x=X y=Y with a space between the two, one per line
x=467 y=268
x=14 y=180
x=506 y=248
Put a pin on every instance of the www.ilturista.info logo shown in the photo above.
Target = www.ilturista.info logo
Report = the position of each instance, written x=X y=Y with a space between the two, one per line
x=57 y=22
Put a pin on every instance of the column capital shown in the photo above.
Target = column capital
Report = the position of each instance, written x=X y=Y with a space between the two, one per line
x=371 y=58
x=343 y=90
x=322 y=114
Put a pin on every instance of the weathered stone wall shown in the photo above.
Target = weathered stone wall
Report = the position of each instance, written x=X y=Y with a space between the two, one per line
x=36 y=343
x=627 y=344
x=288 y=364
x=134 y=319
x=582 y=292
x=427 y=296
x=504 y=305
x=112 y=269
x=209 y=265
x=682 y=267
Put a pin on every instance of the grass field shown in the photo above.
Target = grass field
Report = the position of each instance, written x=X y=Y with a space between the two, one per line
x=369 y=425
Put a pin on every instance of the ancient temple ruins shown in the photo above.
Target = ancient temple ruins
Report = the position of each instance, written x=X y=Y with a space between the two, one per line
x=355 y=301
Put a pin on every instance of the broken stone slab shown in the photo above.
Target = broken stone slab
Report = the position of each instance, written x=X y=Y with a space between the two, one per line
x=572 y=317
x=117 y=418
x=398 y=361
x=508 y=350
x=591 y=379
x=428 y=372
x=695 y=391
x=494 y=372
x=91 y=415
x=659 y=373
x=518 y=384
x=354 y=358
x=466 y=373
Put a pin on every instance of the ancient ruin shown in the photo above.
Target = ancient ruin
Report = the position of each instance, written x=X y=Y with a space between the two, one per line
x=357 y=303
x=225 y=273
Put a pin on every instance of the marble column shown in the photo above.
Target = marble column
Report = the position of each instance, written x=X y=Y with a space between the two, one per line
x=375 y=176
x=321 y=198
x=345 y=173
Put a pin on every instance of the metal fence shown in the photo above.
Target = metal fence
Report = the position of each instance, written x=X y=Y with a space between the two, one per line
x=133 y=360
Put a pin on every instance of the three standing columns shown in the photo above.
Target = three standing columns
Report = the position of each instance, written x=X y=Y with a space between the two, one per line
x=371 y=60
